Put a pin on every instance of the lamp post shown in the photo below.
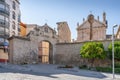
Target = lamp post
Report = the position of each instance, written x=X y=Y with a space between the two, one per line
x=113 y=66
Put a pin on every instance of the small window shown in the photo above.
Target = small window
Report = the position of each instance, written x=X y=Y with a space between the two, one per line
x=19 y=30
x=14 y=5
x=13 y=25
x=13 y=15
x=19 y=18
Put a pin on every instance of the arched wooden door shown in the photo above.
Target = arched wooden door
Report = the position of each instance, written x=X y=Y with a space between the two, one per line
x=45 y=52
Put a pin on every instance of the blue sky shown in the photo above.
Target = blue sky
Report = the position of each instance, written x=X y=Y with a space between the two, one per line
x=73 y=11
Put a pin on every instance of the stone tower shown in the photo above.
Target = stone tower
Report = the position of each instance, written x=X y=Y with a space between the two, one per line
x=64 y=33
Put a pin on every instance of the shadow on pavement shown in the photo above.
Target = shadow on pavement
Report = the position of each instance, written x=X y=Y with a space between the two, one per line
x=49 y=70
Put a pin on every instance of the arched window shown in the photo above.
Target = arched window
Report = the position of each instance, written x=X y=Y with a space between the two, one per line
x=13 y=15
x=13 y=25
x=14 y=5
x=46 y=29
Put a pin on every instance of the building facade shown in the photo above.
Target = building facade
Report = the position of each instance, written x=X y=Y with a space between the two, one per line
x=44 y=30
x=30 y=27
x=92 y=29
x=64 y=33
x=22 y=29
x=15 y=17
x=9 y=18
x=4 y=20
x=9 y=24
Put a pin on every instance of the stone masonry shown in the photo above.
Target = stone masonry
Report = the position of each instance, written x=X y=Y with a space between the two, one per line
x=21 y=51
x=63 y=51
x=64 y=33
x=69 y=53
x=25 y=50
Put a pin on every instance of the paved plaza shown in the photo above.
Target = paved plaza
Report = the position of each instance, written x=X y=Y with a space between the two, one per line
x=49 y=72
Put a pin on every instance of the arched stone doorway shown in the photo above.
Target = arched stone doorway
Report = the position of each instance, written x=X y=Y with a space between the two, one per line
x=45 y=52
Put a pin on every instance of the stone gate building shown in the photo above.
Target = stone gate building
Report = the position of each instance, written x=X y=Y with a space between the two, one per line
x=38 y=46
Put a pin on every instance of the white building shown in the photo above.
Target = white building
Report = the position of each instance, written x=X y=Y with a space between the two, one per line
x=9 y=18
x=14 y=16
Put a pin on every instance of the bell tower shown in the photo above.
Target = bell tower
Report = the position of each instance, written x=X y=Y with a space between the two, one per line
x=64 y=33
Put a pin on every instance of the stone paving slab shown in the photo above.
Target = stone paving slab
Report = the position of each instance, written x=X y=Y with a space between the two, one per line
x=49 y=72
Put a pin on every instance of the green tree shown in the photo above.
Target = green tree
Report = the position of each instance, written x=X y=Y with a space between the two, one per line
x=92 y=51
x=116 y=50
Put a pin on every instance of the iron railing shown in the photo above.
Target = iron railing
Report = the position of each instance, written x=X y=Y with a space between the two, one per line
x=4 y=11
x=4 y=24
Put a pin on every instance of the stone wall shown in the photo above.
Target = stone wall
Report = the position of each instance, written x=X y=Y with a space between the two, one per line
x=21 y=51
x=25 y=50
x=69 y=53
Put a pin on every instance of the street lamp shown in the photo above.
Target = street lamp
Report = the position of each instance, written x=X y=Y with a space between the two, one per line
x=113 y=66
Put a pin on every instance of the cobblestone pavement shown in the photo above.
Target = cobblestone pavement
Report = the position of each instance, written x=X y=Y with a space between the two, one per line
x=49 y=72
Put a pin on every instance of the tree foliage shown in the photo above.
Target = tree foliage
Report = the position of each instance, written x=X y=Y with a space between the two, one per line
x=93 y=50
x=116 y=50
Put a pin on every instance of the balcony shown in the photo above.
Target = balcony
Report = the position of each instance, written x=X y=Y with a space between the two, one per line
x=4 y=24
x=2 y=0
x=4 y=11
x=4 y=35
